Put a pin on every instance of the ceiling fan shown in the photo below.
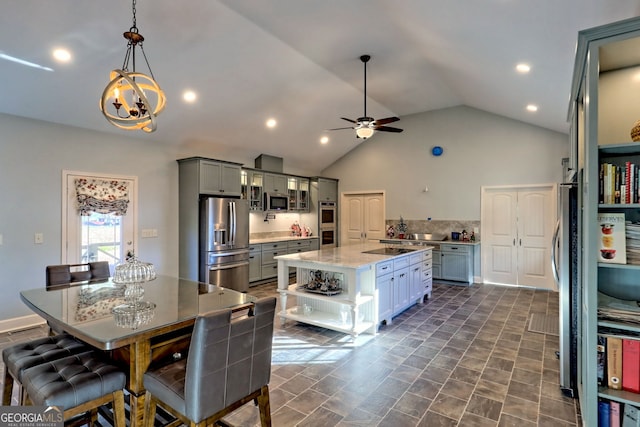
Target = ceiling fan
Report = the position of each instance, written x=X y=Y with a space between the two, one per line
x=366 y=126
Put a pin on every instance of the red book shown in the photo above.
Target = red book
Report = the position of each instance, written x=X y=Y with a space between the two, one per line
x=631 y=365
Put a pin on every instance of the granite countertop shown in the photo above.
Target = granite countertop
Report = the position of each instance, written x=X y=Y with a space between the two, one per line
x=350 y=256
x=278 y=239
x=428 y=242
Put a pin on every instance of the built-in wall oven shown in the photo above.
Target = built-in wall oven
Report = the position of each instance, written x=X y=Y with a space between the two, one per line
x=328 y=225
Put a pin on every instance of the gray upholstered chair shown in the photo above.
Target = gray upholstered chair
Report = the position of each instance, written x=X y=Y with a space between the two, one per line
x=69 y=274
x=80 y=384
x=228 y=365
x=22 y=356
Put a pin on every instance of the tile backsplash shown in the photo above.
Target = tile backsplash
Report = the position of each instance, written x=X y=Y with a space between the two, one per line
x=436 y=226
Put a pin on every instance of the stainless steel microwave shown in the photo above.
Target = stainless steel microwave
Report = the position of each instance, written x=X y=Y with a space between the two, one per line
x=276 y=202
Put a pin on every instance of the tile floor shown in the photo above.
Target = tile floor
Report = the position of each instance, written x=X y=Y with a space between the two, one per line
x=463 y=358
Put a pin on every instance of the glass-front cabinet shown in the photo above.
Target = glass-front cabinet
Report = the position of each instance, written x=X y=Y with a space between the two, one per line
x=604 y=112
x=298 y=191
x=252 y=185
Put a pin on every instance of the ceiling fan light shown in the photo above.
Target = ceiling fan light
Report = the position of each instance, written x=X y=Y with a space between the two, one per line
x=364 y=132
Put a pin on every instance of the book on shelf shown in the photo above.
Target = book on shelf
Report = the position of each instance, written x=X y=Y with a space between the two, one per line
x=618 y=183
x=614 y=414
x=613 y=246
x=632 y=235
x=631 y=365
x=604 y=414
x=602 y=360
x=614 y=362
x=631 y=416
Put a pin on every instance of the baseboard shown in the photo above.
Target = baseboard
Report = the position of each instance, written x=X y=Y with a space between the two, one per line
x=20 y=323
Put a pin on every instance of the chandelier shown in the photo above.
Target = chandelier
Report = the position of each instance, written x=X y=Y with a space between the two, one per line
x=132 y=100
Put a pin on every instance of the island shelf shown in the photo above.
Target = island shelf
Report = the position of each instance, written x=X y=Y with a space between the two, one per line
x=355 y=310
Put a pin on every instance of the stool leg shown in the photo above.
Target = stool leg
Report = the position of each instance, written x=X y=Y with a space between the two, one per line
x=265 y=407
x=7 y=387
x=149 y=410
x=118 y=409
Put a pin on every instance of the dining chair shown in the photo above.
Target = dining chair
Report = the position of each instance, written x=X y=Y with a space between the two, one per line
x=80 y=384
x=68 y=274
x=65 y=275
x=228 y=365
x=25 y=355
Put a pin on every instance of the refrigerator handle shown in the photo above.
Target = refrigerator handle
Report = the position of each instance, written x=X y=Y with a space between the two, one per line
x=554 y=245
x=232 y=223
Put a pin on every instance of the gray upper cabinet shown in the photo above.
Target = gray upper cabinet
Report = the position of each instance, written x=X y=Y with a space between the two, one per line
x=209 y=176
x=219 y=178
x=327 y=190
x=275 y=183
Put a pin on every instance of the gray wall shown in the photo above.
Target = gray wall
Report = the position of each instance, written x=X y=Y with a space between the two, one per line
x=480 y=148
x=33 y=155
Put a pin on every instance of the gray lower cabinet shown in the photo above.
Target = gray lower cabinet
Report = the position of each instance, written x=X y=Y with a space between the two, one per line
x=262 y=264
x=384 y=283
x=456 y=262
x=255 y=263
x=427 y=274
x=269 y=264
x=436 y=263
x=416 y=287
x=402 y=282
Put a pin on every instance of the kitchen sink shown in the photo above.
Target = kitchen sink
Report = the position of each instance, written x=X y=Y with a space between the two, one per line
x=389 y=251
x=435 y=237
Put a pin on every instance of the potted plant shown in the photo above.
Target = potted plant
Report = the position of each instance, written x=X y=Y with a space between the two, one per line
x=402 y=228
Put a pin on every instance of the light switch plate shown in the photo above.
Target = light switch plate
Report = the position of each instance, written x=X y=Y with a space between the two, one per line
x=38 y=238
x=0 y=239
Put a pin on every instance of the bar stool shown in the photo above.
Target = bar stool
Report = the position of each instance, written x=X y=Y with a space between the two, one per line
x=80 y=383
x=20 y=357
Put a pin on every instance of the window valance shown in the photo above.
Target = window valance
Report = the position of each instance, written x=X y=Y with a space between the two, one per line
x=102 y=196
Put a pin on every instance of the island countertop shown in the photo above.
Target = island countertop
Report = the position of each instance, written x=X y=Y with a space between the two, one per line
x=350 y=256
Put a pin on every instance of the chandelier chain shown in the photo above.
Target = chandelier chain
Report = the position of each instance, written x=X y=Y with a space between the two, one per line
x=133 y=8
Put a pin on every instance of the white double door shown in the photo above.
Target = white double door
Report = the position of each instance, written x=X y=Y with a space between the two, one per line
x=517 y=230
x=363 y=218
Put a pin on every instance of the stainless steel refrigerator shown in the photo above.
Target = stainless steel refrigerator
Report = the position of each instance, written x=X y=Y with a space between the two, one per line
x=224 y=242
x=565 y=266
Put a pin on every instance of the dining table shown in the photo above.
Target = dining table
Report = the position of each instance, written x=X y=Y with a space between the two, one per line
x=137 y=326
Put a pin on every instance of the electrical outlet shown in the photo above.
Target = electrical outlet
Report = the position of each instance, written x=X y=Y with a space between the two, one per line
x=149 y=232
x=0 y=239
x=476 y=230
x=38 y=238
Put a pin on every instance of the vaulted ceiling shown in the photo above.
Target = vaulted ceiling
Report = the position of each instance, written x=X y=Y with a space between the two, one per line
x=297 y=61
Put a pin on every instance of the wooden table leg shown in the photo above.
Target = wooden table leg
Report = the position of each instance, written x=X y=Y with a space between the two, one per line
x=137 y=356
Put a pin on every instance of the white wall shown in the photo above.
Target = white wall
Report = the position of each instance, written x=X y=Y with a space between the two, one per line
x=32 y=157
x=480 y=148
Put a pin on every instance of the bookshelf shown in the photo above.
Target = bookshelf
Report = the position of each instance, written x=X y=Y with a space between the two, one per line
x=604 y=107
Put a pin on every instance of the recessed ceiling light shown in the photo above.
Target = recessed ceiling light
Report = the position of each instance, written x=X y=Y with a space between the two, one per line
x=62 y=55
x=271 y=123
x=324 y=140
x=533 y=108
x=189 y=96
x=523 y=68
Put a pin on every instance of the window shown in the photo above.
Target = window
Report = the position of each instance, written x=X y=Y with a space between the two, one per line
x=99 y=216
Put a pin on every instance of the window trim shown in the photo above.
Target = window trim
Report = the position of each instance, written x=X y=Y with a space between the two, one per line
x=133 y=205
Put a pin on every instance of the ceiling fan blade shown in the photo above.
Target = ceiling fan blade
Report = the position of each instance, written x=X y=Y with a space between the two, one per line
x=349 y=120
x=388 y=129
x=387 y=120
x=350 y=127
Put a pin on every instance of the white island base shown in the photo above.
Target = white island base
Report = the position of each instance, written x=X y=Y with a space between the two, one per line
x=355 y=310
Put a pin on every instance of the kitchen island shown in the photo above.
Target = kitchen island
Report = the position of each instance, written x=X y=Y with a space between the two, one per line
x=350 y=289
